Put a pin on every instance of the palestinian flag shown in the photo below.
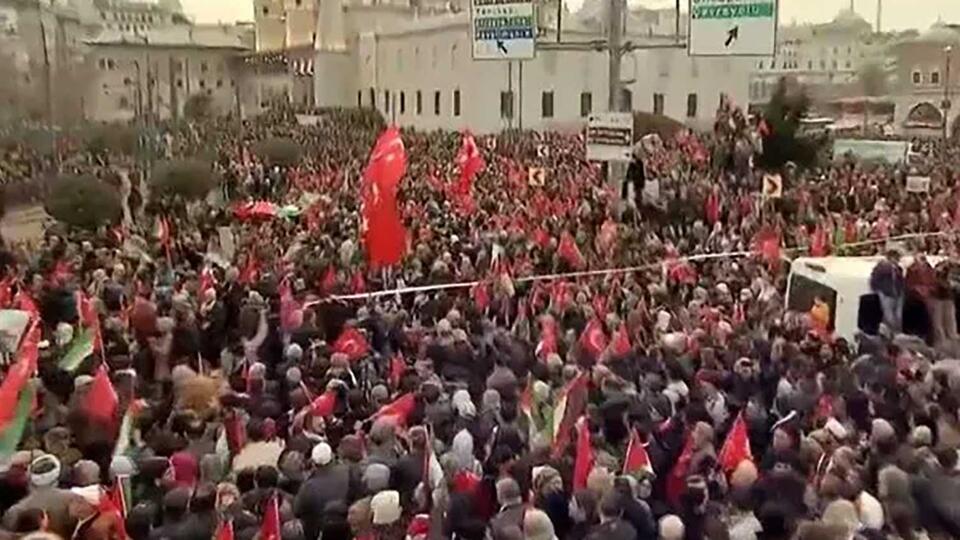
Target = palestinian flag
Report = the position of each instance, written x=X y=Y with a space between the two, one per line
x=18 y=376
x=12 y=431
x=81 y=347
x=90 y=319
x=127 y=426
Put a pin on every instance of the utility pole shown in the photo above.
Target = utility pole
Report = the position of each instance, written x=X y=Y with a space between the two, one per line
x=946 y=95
x=560 y=18
x=48 y=86
x=174 y=101
x=615 y=52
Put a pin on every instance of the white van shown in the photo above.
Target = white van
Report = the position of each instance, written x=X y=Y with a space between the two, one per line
x=844 y=283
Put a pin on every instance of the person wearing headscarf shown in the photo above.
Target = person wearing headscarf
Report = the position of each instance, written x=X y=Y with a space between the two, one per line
x=44 y=495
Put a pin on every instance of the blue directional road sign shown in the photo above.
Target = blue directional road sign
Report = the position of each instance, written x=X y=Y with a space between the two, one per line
x=503 y=29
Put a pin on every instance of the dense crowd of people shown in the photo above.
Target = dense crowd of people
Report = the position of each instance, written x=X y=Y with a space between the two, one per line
x=549 y=359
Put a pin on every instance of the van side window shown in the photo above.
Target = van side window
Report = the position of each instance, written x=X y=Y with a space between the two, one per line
x=870 y=314
x=804 y=290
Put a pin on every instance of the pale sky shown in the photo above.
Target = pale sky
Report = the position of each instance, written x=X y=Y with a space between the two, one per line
x=897 y=14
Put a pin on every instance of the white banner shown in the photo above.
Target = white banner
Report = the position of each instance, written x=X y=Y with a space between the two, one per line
x=610 y=137
x=918 y=184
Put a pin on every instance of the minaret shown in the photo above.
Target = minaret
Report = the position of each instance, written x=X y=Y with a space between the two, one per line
x=879 y=16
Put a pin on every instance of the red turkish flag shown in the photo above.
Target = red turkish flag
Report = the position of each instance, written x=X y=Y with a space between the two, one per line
x=621 y=341
x=712 y=207
x=470 y=163
x=766 y=243
x=548 y=338
x=325 y=404
x=397 y=368
x=819 y=244
x=585 y=456
x=329 y=281
x=384 y=234
x=636 y=458
x=677 y=479
x=351 y=343
x=225 y=530
x=569 y=251
x=270 y=527
x=400 y=409
x=101 y=401
x=593 y=341
x=736 y=448
x=481 y=296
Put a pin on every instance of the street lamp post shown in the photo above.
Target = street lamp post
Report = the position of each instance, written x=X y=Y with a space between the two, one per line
x=948 y=50
x=138 y=96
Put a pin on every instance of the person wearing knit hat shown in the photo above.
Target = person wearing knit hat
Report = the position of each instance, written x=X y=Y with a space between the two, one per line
x=376 y=477
x=671 y=528
x=294 y=353
x=86 y=473
x=537 y=526
x=293 y=376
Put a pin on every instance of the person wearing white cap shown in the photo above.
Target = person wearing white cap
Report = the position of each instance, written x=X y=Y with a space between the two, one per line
x=329 y=482
x=386 y=509
x=44 y=473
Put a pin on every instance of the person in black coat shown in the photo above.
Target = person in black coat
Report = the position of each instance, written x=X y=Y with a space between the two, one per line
x=201 y=522
x=635 y=511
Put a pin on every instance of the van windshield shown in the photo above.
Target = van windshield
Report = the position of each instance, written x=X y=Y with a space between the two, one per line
x=803 y=291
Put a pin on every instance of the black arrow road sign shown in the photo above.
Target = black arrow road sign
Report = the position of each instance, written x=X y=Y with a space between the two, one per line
x=732 y=36
x=501 y=47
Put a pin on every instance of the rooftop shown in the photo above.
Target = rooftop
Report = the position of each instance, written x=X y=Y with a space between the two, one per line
x=199 y=36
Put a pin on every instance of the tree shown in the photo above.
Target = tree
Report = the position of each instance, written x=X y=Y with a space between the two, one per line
x=279 y=151
x=198 y=107
x=190 y=179
x=873 y=80
x=83 y=202
x=788 y=105
x=646 y=123
x=106 y=139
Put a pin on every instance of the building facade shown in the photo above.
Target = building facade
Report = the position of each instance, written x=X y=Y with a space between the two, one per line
x=157 y=73
x=419 y=72
x=927 y=82
x=826 y=58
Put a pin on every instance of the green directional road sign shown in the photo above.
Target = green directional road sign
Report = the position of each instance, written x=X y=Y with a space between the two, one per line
x=732 y=27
